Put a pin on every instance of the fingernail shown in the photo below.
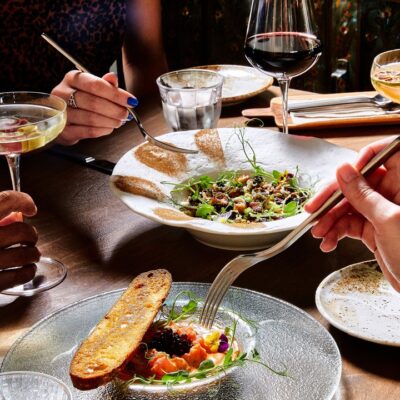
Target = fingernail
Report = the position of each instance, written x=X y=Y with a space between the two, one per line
x=130 y=117
x=347 y=173
x=133 y=101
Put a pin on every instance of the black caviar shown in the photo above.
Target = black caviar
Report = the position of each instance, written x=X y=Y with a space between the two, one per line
x=170 y=342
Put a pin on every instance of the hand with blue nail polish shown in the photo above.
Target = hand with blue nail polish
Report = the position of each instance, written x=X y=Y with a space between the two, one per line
x=96 y=33
x=100 y=106
x=370 y=211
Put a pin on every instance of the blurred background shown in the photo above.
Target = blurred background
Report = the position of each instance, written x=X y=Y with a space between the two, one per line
x=353 y=32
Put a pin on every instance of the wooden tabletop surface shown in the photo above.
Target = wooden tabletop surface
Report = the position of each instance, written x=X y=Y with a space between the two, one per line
x=104 y=245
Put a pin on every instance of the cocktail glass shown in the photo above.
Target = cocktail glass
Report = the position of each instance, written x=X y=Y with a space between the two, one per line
x=385 y=74
x=29 y=121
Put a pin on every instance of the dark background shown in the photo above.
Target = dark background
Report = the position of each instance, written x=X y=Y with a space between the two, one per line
x=353 y=32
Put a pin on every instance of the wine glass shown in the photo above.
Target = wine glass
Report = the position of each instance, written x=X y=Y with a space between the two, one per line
x=385 y=74
x=29 y=121
x=282 y=42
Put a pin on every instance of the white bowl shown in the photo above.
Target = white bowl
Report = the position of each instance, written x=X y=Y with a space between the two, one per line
x=220 y=150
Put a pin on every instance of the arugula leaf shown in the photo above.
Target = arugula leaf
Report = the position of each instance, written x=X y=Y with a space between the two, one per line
x=276 y=174
x=204 y=210
x=290 y=208
x=205 y=181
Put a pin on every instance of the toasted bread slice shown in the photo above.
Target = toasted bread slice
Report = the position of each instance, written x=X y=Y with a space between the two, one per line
x=119 y=333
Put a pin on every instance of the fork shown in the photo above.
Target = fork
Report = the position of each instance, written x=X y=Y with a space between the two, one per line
x=133 y=114
x=244 y=261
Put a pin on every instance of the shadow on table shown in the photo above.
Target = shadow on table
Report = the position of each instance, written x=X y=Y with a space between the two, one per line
x=292 y=276
x=173 y=249
x=375 y=358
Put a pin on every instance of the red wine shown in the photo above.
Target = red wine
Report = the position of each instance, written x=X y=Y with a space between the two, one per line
x=279 y=53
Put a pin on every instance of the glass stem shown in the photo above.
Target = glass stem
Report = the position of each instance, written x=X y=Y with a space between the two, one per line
x=13 y=161
x=284 y=85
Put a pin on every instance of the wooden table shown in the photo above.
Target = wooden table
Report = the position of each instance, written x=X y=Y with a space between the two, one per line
x=105 y=245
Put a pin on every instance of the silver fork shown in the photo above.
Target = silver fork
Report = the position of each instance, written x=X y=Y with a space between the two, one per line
x=135 y=117
x=244 y=261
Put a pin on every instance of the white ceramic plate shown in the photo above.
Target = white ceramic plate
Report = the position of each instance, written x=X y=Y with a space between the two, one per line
x=358 y=300
x=284 y=336
x=240 y=82
x=220 y=150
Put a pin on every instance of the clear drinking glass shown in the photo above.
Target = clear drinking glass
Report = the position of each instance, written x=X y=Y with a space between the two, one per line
x=30 y=385
x=385 y=74
x=191 y=98
x=29 y=121
x=282 y=41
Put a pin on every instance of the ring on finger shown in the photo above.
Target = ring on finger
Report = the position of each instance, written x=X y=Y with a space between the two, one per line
x=72 y=100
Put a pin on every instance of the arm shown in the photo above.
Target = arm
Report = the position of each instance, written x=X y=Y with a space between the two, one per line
x=143 y=54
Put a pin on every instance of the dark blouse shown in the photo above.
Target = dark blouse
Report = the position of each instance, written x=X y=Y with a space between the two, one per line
x=90 y=30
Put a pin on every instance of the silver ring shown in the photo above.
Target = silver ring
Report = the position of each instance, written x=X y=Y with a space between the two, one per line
x=72 y=101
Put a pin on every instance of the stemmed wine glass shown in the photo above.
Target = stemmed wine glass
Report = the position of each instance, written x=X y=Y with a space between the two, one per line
x=29 y=121
x=385 y=74
x=282 y=42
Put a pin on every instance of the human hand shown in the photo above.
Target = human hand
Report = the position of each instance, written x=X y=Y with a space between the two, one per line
x=370 y=211
x=101 y=105
x=15 y=232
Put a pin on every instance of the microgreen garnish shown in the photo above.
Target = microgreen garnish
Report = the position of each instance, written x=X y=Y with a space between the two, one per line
x=236 y=196
x=187 y=310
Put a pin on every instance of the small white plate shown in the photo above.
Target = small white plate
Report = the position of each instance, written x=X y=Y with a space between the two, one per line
x=358 y=300
x=240 y=82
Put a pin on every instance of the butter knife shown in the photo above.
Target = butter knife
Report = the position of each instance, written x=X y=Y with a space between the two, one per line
x=349 y=113
x=303 y=105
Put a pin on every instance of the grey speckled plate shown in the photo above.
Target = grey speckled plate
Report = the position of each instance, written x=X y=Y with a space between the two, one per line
x=240 y=82
x=286 y=336
x=358 y=300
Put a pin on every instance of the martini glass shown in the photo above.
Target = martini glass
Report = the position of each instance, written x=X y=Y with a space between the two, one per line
x=385 y=74
x=29 y=121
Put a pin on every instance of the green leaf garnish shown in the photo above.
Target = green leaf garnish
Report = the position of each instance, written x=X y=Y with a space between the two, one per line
x=290 y=208
x=206 y=364
x=204 y=210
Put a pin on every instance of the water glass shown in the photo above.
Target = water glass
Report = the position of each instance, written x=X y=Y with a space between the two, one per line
x=30 y=385
x=191 y=98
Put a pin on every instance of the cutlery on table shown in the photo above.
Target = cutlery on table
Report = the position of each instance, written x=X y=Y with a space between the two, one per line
x=378 y=100
x=135 y=117
x=104 y=166
x=244 y=261
x=346 y=112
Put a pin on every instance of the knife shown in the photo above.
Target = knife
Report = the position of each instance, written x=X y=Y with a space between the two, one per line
x=303 y=105
x=350 y=113
x=104 y=166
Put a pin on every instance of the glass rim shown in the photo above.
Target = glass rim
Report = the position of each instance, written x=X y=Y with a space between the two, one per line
x=40 y=374
x=202 y=70
x=375 y=62
x=20 y=92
